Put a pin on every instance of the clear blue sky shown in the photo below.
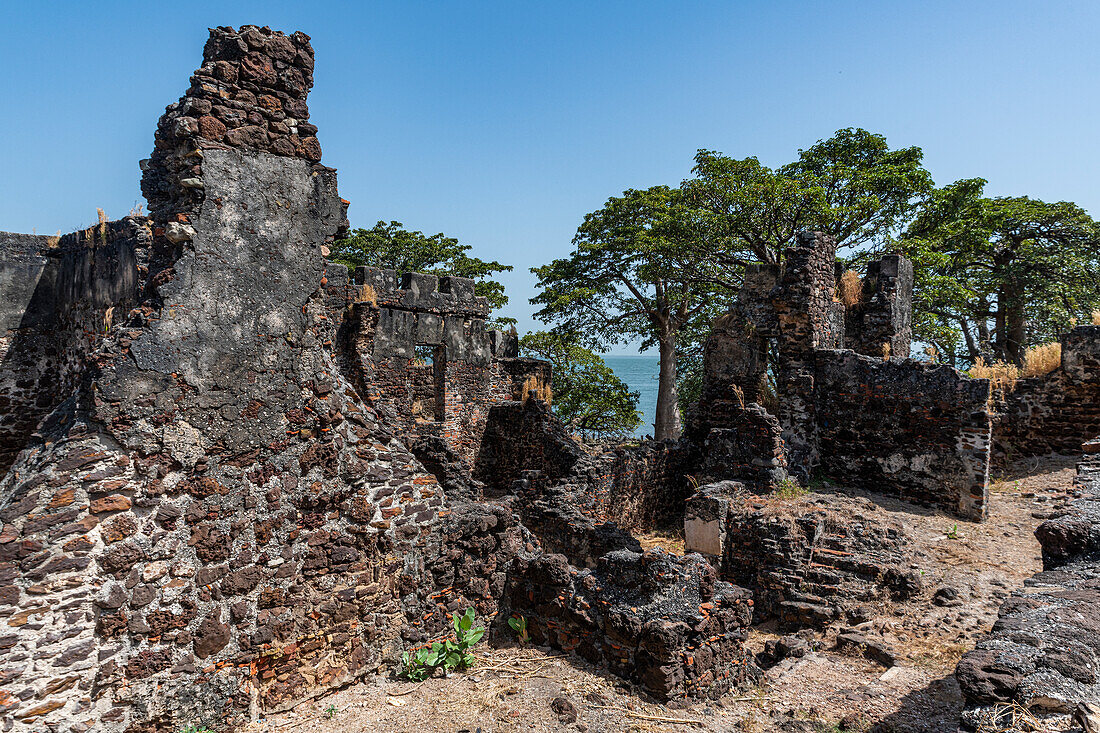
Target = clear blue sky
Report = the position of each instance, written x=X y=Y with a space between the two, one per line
x=503 y=123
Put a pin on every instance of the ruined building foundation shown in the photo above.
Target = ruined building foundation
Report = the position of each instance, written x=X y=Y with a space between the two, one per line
x=235 y=476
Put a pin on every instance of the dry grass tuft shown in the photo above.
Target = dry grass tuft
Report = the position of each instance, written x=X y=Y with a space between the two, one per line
x=367 y=294
x=101 y=216
x=1040 y=360
x=1000 y=374
x=1096 y=317
x=541 y=389
x=849 y=289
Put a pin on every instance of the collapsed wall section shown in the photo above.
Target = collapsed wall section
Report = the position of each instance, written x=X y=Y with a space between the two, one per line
x=783 y=394
x=426 y=360
x=215 y=524
x=808 y=564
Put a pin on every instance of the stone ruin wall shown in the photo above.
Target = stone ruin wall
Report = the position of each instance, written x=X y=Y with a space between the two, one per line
x=216 y=524
x=59 y=298
x=807 y=565
x=1055 y=412
x=231 y=503
x=425 y=359
x=891 y=425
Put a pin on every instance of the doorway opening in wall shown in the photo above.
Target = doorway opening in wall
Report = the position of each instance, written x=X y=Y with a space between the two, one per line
x=426 y=382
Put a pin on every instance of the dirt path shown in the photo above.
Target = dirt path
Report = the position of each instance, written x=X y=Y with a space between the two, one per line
x=968 y=570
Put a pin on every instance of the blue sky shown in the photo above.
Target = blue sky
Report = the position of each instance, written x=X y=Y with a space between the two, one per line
x=504 y=123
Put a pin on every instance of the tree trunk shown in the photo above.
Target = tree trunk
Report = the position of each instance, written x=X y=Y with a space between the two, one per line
x=1000 y=327
x=1015 y=323
x=666 y=425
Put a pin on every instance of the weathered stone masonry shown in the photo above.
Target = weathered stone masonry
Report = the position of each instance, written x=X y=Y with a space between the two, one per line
x=424 y=358
x=919 y=431
x=1055 y=412
x=211 y=521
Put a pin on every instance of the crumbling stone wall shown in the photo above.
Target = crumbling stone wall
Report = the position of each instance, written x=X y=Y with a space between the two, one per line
x=807 y=564
x=880 y=324
x=915 y=430
x=216 y=524
x=59 y=299
x=1054 y=412
x=424 y=358
x=664 y=621
x=1044 y=650
x=215 y=503
x=891 y=425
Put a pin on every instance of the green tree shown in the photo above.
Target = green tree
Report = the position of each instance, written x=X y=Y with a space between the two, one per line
x=640 y=270
x=851 y=186
x=392 y=246
x=588 y=397
x=997 y=275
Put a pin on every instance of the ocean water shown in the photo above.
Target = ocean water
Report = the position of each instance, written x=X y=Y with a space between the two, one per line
x=640 y=374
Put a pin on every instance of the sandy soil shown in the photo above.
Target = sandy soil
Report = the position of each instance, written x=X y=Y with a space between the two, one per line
x=515 y=689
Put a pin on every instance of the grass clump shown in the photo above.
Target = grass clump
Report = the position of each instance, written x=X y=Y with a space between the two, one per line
x=1096 y=317
x=1000 y=374
x=1040 y=360
x=849 y=289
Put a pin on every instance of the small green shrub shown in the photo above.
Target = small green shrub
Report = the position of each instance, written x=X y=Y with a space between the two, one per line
x=447 y=655
x=788 y=488
x=519 y=625
x=330 y=712
x=195 y=729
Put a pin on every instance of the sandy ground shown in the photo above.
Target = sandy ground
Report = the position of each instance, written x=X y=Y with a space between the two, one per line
x=528 y=689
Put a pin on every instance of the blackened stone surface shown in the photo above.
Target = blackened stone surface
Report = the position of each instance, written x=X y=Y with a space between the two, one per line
x=663 y=621
x=809 y=565
x=1055 y=412
x=1044 y=650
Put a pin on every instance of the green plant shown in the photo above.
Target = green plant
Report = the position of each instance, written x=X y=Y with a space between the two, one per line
x=195 y=729
x=788 y=488
x=519 y=625
x=330 y=712
x=447 y=655
x=953 y=533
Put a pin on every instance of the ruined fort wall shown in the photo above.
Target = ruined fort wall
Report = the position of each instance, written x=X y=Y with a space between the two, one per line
x=60 y=299
x=218 y=506
x=215 y=524
x=807 y=565
x=1054 y=412
x=427 y=360
x=918 y=431
x=880 y=324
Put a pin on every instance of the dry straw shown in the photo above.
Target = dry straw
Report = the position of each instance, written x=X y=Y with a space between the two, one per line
x=849 y=288
x=1000 y=374
x=1040 y=360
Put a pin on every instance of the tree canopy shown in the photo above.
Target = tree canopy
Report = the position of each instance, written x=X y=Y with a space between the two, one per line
x=588 y=397
x=392 y=246
x=852 y=186
x=995 y=276
x=640 y=271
